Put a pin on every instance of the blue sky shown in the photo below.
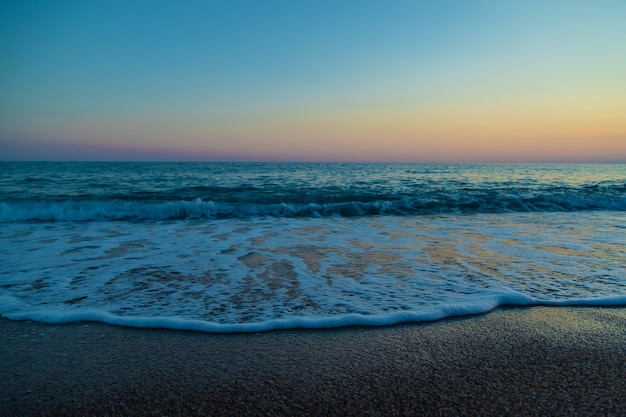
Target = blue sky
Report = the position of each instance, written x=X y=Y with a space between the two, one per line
x=293 y=80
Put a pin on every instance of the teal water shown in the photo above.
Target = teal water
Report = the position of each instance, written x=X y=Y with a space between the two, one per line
x=226 y=247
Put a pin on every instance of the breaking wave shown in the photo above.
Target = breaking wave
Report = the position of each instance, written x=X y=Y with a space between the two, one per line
x=94 y=210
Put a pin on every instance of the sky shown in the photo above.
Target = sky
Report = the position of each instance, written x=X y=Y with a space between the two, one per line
x=409 y=81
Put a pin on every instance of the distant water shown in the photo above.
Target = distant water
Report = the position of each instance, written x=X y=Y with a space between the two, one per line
x=224 y=247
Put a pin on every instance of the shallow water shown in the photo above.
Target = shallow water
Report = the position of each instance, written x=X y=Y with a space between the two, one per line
x=261 y=272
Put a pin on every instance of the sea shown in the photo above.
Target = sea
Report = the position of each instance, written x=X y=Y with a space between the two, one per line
x=250 y=247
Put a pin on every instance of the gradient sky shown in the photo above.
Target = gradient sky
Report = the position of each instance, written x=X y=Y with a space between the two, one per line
x=462 y=80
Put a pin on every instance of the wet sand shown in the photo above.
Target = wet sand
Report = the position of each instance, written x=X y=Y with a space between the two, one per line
x=519 y=362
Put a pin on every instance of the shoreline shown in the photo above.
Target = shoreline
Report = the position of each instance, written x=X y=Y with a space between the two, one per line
x=512 y=361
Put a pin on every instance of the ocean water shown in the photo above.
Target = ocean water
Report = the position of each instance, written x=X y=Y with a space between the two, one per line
x=247 y=247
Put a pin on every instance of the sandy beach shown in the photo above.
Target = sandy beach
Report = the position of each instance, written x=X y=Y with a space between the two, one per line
x=523 y=362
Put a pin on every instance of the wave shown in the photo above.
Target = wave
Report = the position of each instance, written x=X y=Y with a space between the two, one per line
x=13 y=311
x=95 y=210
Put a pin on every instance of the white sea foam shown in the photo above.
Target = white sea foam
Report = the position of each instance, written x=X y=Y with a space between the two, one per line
x=263 y=274
x=178 y=323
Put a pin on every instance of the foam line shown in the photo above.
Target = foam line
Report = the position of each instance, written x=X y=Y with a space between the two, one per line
x=428 y=315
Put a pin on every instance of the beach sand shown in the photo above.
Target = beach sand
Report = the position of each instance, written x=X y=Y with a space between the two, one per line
x=519 y=362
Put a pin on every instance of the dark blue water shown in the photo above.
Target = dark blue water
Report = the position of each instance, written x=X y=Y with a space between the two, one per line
x=46 y=191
